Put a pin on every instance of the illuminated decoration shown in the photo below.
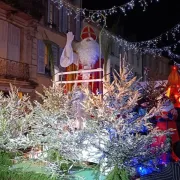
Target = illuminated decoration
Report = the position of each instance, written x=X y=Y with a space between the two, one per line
x=173 y=55
x=142 y=47
x=88 y=61
x=20 y=94
x=115 y=9
x=173 y=91
x=174 y=78
x=144 y=170
x=168 y=92
x=152 y=43
x=177 y=64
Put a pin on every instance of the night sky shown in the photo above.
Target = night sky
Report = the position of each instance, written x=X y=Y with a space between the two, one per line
x=138 y=25
x=159 y=17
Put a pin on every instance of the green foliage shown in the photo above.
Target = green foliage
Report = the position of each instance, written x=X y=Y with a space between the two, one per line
x=117 y=174
x=7 y=174
x=64 y=165
x=5 y=159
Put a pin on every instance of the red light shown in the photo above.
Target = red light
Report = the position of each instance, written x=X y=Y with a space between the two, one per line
x=174 y=68
x=176 y=96
x=179 y=100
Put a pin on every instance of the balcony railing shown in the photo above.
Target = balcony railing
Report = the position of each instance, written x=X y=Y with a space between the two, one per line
x=14 y=70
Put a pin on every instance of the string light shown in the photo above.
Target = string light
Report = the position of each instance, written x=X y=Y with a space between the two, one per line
x=173 y=56
x=153 y=43
x=143 y=47
x=149 y=46
x=115 y=9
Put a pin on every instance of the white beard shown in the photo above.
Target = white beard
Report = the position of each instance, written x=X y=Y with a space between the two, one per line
x=88 y=52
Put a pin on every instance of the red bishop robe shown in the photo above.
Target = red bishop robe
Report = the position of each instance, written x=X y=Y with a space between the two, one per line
x=94 y=86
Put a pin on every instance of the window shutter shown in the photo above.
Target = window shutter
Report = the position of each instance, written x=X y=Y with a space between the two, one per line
x=78 y=28
x=3 y=38
x=61 y=20
x=55 y=52
x=41 y=57
x=48 y=10
x=73 y=23
x=65 y=20
x=13 y=43
x=113 y=48
x=60 y=53
x=56 y=16
x=61 y=69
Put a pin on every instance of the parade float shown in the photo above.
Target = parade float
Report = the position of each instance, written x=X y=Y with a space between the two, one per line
x=83 y=127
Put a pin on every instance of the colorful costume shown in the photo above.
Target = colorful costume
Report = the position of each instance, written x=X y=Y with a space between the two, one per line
x=79 y=60
x=167 y=120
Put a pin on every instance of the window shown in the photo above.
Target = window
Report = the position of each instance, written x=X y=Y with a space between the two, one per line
x=59 y=20
x=3 y=38
x=41 y=57
x=133 y=57
x=119 y=50
x=117 y=69
x=161 y=65
x=111 y=74
x=113 y=48
x=138 y=59
x=44 y=64
x=9 y=41
x=165 y=69
x=150 y=61
x=53 y=15
x=145 y=62
x=64 y=20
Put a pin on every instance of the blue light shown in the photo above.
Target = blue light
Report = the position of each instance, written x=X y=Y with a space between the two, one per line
x=144 y=170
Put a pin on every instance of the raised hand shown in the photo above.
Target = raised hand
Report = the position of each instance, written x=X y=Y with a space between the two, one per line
x=70 y=37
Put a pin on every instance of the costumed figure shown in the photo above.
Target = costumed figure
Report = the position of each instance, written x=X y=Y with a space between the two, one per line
x=84 y=56
x=166 y=119
x=173 y=91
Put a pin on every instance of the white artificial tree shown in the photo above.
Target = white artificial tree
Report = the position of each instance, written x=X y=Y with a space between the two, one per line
x=110 y=136
x=16 y=118
x=112 y=130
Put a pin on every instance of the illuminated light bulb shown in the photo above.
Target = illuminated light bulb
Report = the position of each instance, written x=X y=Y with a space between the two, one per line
x=168 y=92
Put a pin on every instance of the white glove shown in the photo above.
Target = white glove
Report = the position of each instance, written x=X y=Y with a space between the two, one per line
x=70 y=38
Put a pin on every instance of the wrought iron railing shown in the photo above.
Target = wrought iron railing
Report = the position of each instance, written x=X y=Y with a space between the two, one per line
x=13 y=69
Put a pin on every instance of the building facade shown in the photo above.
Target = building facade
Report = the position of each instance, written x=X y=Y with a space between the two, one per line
x=29 y=48
x=157 y=67
x=15 y=58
